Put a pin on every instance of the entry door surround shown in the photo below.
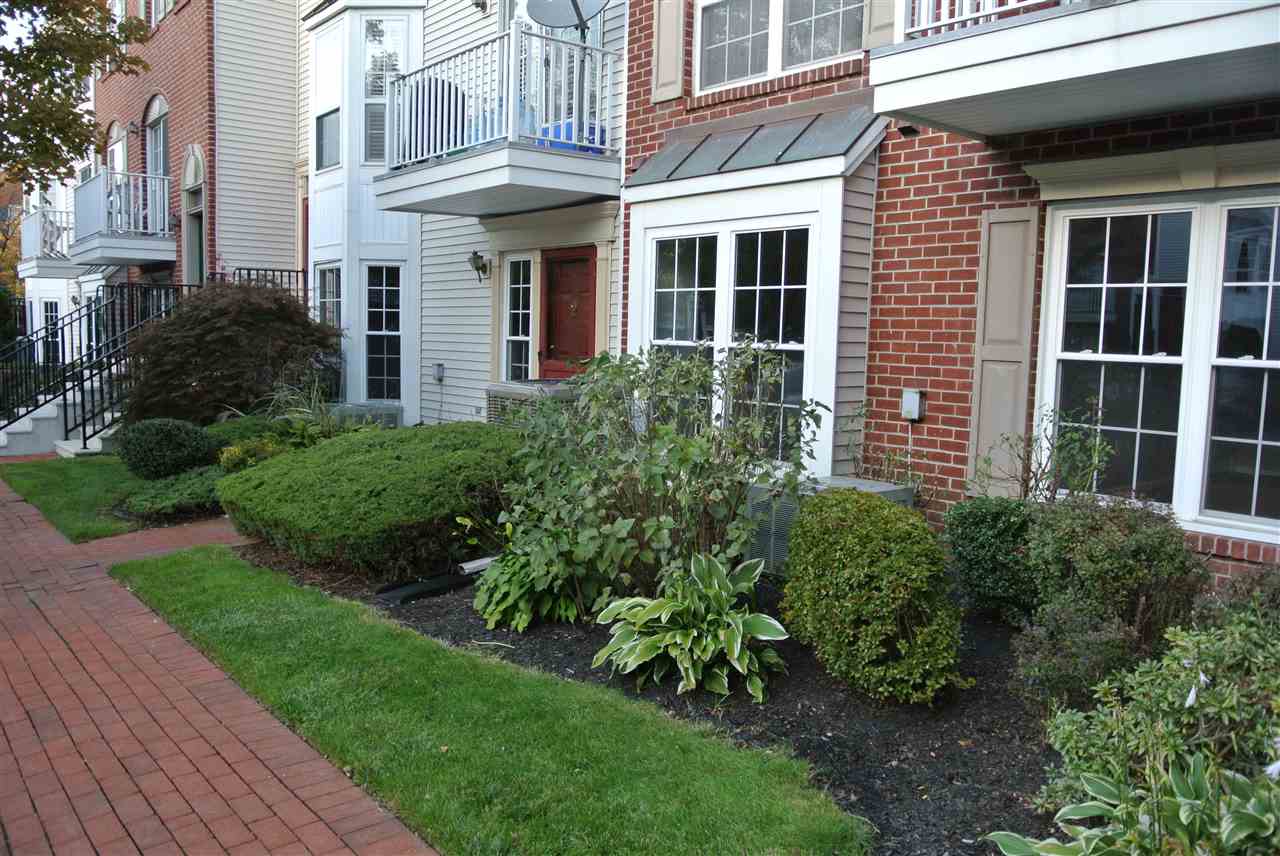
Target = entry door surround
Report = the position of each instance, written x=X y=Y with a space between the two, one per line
x=568 y=310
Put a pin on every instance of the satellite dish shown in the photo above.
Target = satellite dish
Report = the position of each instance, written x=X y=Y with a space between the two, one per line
x=564 y=13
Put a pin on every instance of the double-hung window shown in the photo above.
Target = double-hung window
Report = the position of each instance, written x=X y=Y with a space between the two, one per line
x=382 y=339
x=724 y=288
x=519 y=319
x=328 y=142
x=329 y=295
x=160 y=8
x=1163 y=328
x=741 y=41
x=384 y=50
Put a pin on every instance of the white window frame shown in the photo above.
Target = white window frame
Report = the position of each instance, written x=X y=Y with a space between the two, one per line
x=315 y=128
x=816 y=205
x=322 y=268
x=1200 y=338
x=159 y=9
x=365 y=98
x=774 y=66
x=366 y=267
x=507 y=261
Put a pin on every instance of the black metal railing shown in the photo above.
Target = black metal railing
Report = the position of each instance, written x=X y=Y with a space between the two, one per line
x=293 y=281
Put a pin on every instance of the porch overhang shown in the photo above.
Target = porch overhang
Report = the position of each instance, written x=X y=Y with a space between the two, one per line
x=110 y=248
x=507 y=178
x=1082 y=63
x=48 y=268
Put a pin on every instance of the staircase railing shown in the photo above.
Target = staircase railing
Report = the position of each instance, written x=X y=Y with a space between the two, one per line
x=31 y=366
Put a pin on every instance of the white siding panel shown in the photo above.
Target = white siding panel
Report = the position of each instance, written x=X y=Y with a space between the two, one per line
x=256 y=103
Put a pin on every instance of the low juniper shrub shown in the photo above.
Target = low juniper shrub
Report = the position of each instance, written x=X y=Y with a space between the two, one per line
x=159 y=448
x=189 y=494
x=867 y=588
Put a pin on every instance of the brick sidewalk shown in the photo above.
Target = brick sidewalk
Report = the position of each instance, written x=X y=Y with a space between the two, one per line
x=119 y=737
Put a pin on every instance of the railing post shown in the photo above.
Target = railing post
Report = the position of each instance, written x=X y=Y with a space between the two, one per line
x=512 y=111
x=391 y=126
x=901 y=21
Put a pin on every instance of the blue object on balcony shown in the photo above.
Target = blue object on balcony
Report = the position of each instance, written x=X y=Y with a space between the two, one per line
x=563 y=130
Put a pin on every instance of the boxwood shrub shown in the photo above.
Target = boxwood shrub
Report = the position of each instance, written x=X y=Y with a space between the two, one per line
x=159 y=448
x=384 y=502
x=867 y=589
x=988 y=540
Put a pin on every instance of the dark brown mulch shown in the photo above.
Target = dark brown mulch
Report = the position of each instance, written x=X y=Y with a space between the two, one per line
x=932 y=780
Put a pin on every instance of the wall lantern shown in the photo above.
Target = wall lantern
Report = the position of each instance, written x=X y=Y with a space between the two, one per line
x=479 y=265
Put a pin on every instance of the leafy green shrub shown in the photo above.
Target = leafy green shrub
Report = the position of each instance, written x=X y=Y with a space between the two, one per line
x=187 y=494
x=1185 y=807
x=867 y=589
x=988 y=540
x=248 y=453
x=1069 y=649
x=241 y=428
x=1216 y=692
x=698 y=628
x=303 y=414
x=1256 y=588
x=223 y=347
x=159 y=448
x=511 y=593
x=639 y=474
x=383 y=502
x=1121 y=559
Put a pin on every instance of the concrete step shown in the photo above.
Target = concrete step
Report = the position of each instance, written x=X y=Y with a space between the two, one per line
x=101 y=444
x=40 y=431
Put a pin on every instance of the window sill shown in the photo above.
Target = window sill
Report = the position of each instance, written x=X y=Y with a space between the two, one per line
x=1237 y=529
x=848 y=67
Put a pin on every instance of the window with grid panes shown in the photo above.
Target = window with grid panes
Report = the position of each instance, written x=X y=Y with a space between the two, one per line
x=329 y=295
x=382 y=333
x=1120 y=356
x=519 y=318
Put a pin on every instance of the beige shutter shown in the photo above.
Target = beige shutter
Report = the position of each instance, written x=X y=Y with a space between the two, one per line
x=668 y=49
x=878 y=23
x=1002 y=350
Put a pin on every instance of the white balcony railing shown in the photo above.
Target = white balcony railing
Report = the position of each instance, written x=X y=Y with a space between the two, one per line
x=921 y=18
x=518 y=86
x=125 y=203
x=46 y=234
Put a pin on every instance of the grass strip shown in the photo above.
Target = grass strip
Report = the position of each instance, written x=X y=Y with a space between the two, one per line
x=76 y=495
x=477 y=755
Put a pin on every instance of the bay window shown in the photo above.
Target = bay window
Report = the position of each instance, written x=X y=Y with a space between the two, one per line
x=384 y=51
x=1163 y=337
x=750 y=40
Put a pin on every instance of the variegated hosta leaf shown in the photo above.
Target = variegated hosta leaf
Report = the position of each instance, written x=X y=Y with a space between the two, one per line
x=757 y=625
x=717 y=681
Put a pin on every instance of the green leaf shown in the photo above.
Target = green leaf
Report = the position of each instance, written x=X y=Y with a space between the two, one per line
x=1102 y=788
x=1240 y=825
x=1011 y=844
x=755 y=686
x=717 y=681
x=1080 y=811
x=757 y=625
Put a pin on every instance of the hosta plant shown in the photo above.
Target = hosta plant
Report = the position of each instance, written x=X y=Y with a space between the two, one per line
x=700 y=627
x=1189 y=809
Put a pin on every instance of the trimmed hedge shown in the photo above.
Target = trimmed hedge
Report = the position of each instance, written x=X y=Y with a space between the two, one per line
x=383 y=502
x=240 y=429
x=867 y=588
x=988 y=540
x=185 y=495
x=159 y=448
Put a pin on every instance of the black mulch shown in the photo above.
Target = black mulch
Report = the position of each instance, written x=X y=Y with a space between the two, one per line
x=932 y=780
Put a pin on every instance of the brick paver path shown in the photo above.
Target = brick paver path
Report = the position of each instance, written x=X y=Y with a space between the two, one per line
x=119 y=737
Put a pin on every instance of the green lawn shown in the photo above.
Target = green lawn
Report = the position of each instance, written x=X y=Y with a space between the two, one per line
x=76 y=494
x=477 y=755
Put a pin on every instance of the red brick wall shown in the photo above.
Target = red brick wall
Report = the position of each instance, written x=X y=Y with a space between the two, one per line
x=180 y=56
x=648 y=123
x=932 y=191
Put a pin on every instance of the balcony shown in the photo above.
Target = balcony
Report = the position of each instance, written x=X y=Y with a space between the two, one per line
x=122 y=218
x=520 y=122
x=46 y=242
x=986 y=68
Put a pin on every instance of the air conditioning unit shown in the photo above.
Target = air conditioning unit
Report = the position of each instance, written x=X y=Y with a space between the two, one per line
x=505 y=401
x=775 y=516
x=386 y=415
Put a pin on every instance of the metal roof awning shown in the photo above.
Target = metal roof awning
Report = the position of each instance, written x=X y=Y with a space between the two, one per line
x=764 y=139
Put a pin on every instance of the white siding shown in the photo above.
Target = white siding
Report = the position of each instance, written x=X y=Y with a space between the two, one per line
x=304 y=86
x=855 y=288
x=256 y=103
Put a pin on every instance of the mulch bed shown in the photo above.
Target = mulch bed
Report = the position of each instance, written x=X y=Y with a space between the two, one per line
x=932 y=780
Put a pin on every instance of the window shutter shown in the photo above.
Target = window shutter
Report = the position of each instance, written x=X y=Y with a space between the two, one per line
x=879 y=23
x=375 y=132
x=1002 y=350
x=668 y=50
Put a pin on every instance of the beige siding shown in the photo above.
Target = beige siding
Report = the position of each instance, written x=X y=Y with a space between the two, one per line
x=304 y=87
x=256 y=103
x=855 y=287
x=456 y=309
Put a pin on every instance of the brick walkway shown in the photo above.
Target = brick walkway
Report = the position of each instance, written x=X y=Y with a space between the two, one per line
x=119 y=737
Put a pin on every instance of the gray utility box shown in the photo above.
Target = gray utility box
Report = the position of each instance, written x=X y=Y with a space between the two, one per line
x=505 y=400
x=773 y=532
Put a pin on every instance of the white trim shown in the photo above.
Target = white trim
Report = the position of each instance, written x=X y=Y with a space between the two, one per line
x=504 y=333
x=814 y=204
x=406 y=391
x=774 y=65
x=1199 y=337
x=745 y=179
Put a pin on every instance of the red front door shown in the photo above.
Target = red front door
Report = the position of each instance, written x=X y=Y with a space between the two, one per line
x=568 y=310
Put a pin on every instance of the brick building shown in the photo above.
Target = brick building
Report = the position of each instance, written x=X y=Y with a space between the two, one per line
x=973 y=291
